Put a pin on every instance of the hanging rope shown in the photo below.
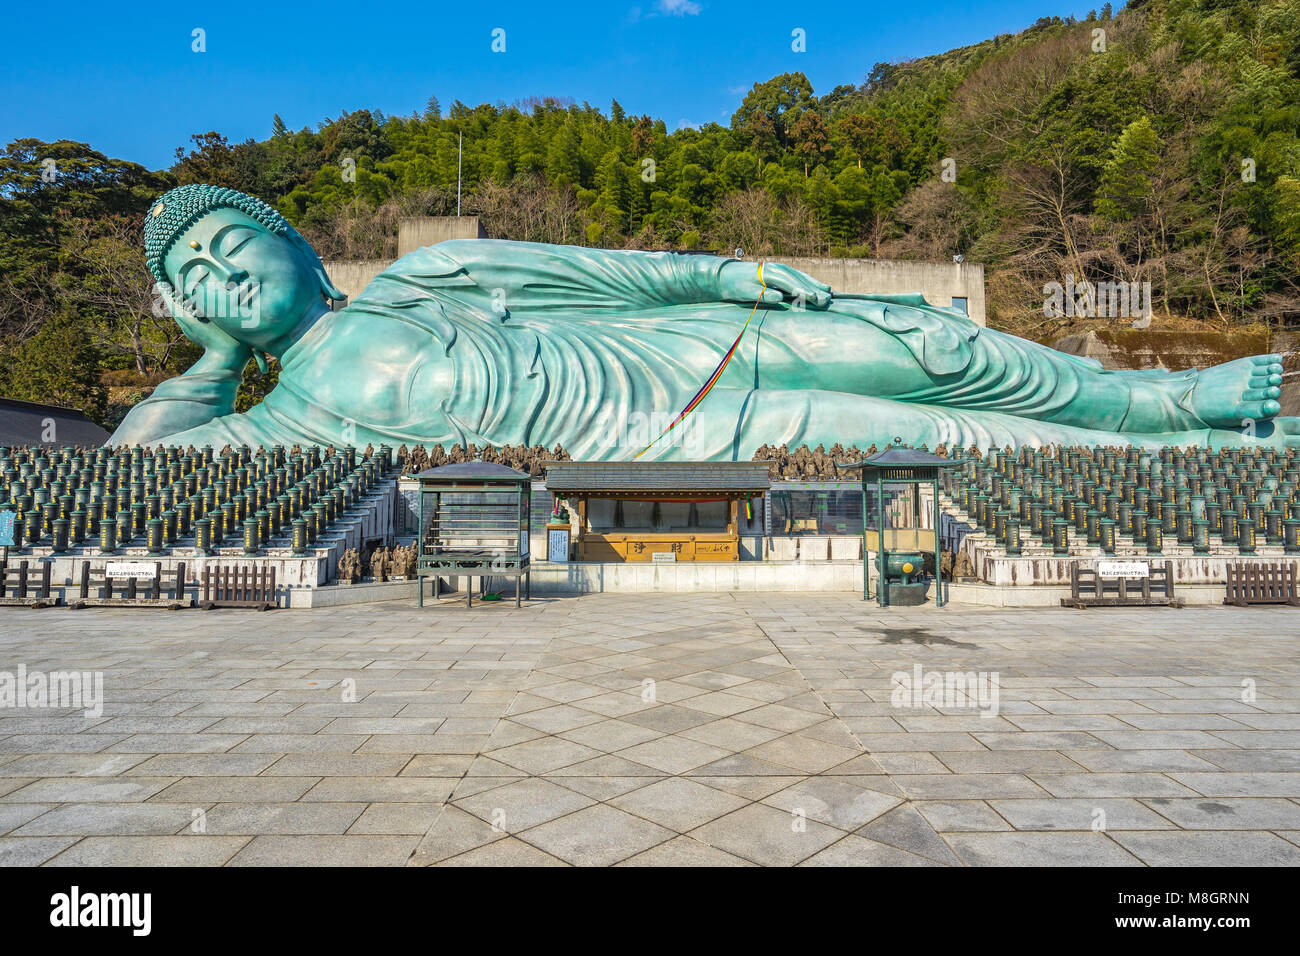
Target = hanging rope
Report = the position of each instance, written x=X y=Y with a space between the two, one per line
x=717 y=372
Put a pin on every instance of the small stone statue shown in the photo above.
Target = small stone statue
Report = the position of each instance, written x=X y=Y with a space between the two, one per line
x=350 y=566
x=962 y=567
x=380 y=563
x=404 y=562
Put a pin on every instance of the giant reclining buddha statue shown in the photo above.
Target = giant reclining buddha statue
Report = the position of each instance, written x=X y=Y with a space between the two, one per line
x=491 y=342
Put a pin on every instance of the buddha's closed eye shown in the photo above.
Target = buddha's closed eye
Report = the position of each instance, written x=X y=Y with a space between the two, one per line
x=194 y=278
x=235 y=239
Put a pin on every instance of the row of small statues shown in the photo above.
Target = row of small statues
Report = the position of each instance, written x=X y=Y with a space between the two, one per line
x=800 y=463
x=382 y=563
x=818 y=462
x=519 y=457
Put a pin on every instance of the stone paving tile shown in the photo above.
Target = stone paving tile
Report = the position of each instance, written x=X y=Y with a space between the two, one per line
x=393 y=790
x=767 y=732
x=603 y=789
x=965 y=815
x=71 y=765
x=842 y=802
x=336 y=765
x=1215 y=849
x=1156 y=761
x=1229 y=813
x=854 y=850
x=969 y=786
x=684 y=851
x=1081 y=814
x=526 y=803
x=88 y=819
x=678 y=803
x=59 y=743
x=203 y=765
x=507 y=852
x=1040 y=849
x=905 y=829
x=1110 y=785
x=597 y=836
x=1241 y=784
x=347 y=850
x=673 y=754
x=543 y=754
x=31 y=851
x=188 y=850
x=1007 y=761
x=397 y=818
x=90 y=790
x=767 y=835
x=1250 y=760
x=452 y=833
x=256 y=818
x=203 y=791
x=14 y=815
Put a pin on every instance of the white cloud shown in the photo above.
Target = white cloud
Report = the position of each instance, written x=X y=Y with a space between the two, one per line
x=679 y=8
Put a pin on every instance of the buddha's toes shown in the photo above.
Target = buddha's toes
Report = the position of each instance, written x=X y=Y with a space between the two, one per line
x=1238 y=394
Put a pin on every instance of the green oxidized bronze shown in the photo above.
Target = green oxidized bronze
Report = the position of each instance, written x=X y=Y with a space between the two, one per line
x=492 y=342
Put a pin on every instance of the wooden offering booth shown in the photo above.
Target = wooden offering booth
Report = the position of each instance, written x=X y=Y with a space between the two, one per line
x=658 y=511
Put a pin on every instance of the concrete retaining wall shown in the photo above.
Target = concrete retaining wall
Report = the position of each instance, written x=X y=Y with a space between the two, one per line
x=939 y=282
x=416 y=232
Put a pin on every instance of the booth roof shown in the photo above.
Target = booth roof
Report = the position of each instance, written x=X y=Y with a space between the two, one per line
x=571 y=477
x=896 y=457
x=472 y=471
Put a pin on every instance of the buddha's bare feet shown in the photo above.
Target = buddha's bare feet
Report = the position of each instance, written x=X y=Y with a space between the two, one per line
x=1236 y=395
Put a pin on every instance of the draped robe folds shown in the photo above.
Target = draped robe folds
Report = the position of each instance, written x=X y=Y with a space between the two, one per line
x=503 y=343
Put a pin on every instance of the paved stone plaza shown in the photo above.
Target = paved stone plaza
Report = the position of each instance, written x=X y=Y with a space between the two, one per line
x=707 y=729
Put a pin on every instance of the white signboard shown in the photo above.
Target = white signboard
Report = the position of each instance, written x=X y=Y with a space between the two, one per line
x=1123 y=569
x=557 y=545
x=130 y=569
x=664 y=557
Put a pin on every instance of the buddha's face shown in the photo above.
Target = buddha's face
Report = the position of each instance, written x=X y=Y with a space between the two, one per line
x=234 y=272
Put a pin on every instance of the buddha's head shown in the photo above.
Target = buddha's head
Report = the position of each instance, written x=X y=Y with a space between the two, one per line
x=230 y=259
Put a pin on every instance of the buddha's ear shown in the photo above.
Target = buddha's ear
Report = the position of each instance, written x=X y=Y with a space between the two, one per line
x=327 y=288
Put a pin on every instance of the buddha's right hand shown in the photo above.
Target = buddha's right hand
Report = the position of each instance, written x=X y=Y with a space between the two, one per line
x=741 y=281
x=222 y=352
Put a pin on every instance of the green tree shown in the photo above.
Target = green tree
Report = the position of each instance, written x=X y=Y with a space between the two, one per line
x=1127 y=179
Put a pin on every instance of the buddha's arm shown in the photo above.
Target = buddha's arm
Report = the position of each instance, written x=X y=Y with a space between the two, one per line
x=536 y=276
x=179 y=404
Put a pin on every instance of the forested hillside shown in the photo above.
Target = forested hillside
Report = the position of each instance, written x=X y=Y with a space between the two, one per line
x=1159 y=145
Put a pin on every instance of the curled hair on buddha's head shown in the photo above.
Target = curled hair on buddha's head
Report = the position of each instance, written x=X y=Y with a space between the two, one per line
x=178 y=209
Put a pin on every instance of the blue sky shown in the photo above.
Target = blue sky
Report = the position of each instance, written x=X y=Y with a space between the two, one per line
x=128 y=82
